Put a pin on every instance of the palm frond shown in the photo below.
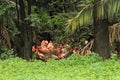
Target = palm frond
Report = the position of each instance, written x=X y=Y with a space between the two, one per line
x=113 y=8
x=5 y=37
x=5 y=6
x=114 y=33
x=106 y=9
x=84 y=17
x=101 y=10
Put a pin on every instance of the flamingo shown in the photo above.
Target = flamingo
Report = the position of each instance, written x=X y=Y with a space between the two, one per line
x=33 y=49
x=50 y=45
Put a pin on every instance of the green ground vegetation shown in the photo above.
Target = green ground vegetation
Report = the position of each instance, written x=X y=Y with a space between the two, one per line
x=76 y=67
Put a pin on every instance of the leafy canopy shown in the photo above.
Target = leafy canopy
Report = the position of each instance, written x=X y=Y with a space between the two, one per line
x=106 y=9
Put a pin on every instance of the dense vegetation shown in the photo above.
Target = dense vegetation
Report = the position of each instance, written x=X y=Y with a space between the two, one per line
x=54 y=39
x=24 y=23
x=89 y=67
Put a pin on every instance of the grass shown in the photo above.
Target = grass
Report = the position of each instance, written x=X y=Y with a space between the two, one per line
x=73 y=68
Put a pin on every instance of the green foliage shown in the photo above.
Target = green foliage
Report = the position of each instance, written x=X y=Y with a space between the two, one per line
x=39 y=20
x=106 y=9
x=87 y=59
x=6 y=53
x=82 y=34
x=113 y=56
x=6 y=6
x=51 y=18
x=116 y=18
x=60 y=19
x=58 y=22
x=89 y=67
x=14 y=31
x=64 y=6
x=51 y=24
x=8 y=16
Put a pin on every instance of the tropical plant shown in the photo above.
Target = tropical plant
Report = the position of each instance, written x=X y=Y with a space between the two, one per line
x=76 y=67
x=6 y=53
x=99 y=13
x=114 y=35
x=7 y=10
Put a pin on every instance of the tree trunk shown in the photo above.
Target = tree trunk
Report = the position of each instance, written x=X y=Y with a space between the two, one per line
x=22 y=27
x=0 y=25
x=118 y=49
x=101 y=34
x=28 y=36
x=0 y=30
x=101 y=42
x=26 y=31
x=27 y=44
x=17 y=10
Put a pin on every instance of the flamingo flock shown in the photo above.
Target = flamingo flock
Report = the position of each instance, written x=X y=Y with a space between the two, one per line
x=46 y=50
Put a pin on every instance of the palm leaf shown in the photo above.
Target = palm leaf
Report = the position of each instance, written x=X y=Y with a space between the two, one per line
x=105 y=9
x=113 y=8
x=83 y=17
x=114 y=33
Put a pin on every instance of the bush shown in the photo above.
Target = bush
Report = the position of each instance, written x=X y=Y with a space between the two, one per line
x=113 y=56
x=76 y=67
x=6 y=53
x=86 y=59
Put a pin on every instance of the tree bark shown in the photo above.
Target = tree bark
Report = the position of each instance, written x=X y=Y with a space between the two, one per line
x=101 y=34
x=17 y=10
x=0 y=25
x=118 y=48
x=28 y=35
x=26 y=31
x=0 y=33
x=101 y=43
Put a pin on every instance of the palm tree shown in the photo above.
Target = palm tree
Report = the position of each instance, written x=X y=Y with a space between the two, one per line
x=7 y=8
x=99 y=13
x=114 y=35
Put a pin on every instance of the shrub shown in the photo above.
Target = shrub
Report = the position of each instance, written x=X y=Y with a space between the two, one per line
x=6 y=53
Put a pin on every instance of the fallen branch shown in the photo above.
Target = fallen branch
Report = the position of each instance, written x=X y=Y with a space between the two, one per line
x=87 y=47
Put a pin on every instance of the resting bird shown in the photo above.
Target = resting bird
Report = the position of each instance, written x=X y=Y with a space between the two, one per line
x=50 y=45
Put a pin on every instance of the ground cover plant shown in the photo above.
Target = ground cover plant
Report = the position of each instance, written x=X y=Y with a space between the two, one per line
x=75 y=67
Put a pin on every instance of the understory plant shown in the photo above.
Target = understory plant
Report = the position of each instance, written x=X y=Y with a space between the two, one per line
x=6 y=53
